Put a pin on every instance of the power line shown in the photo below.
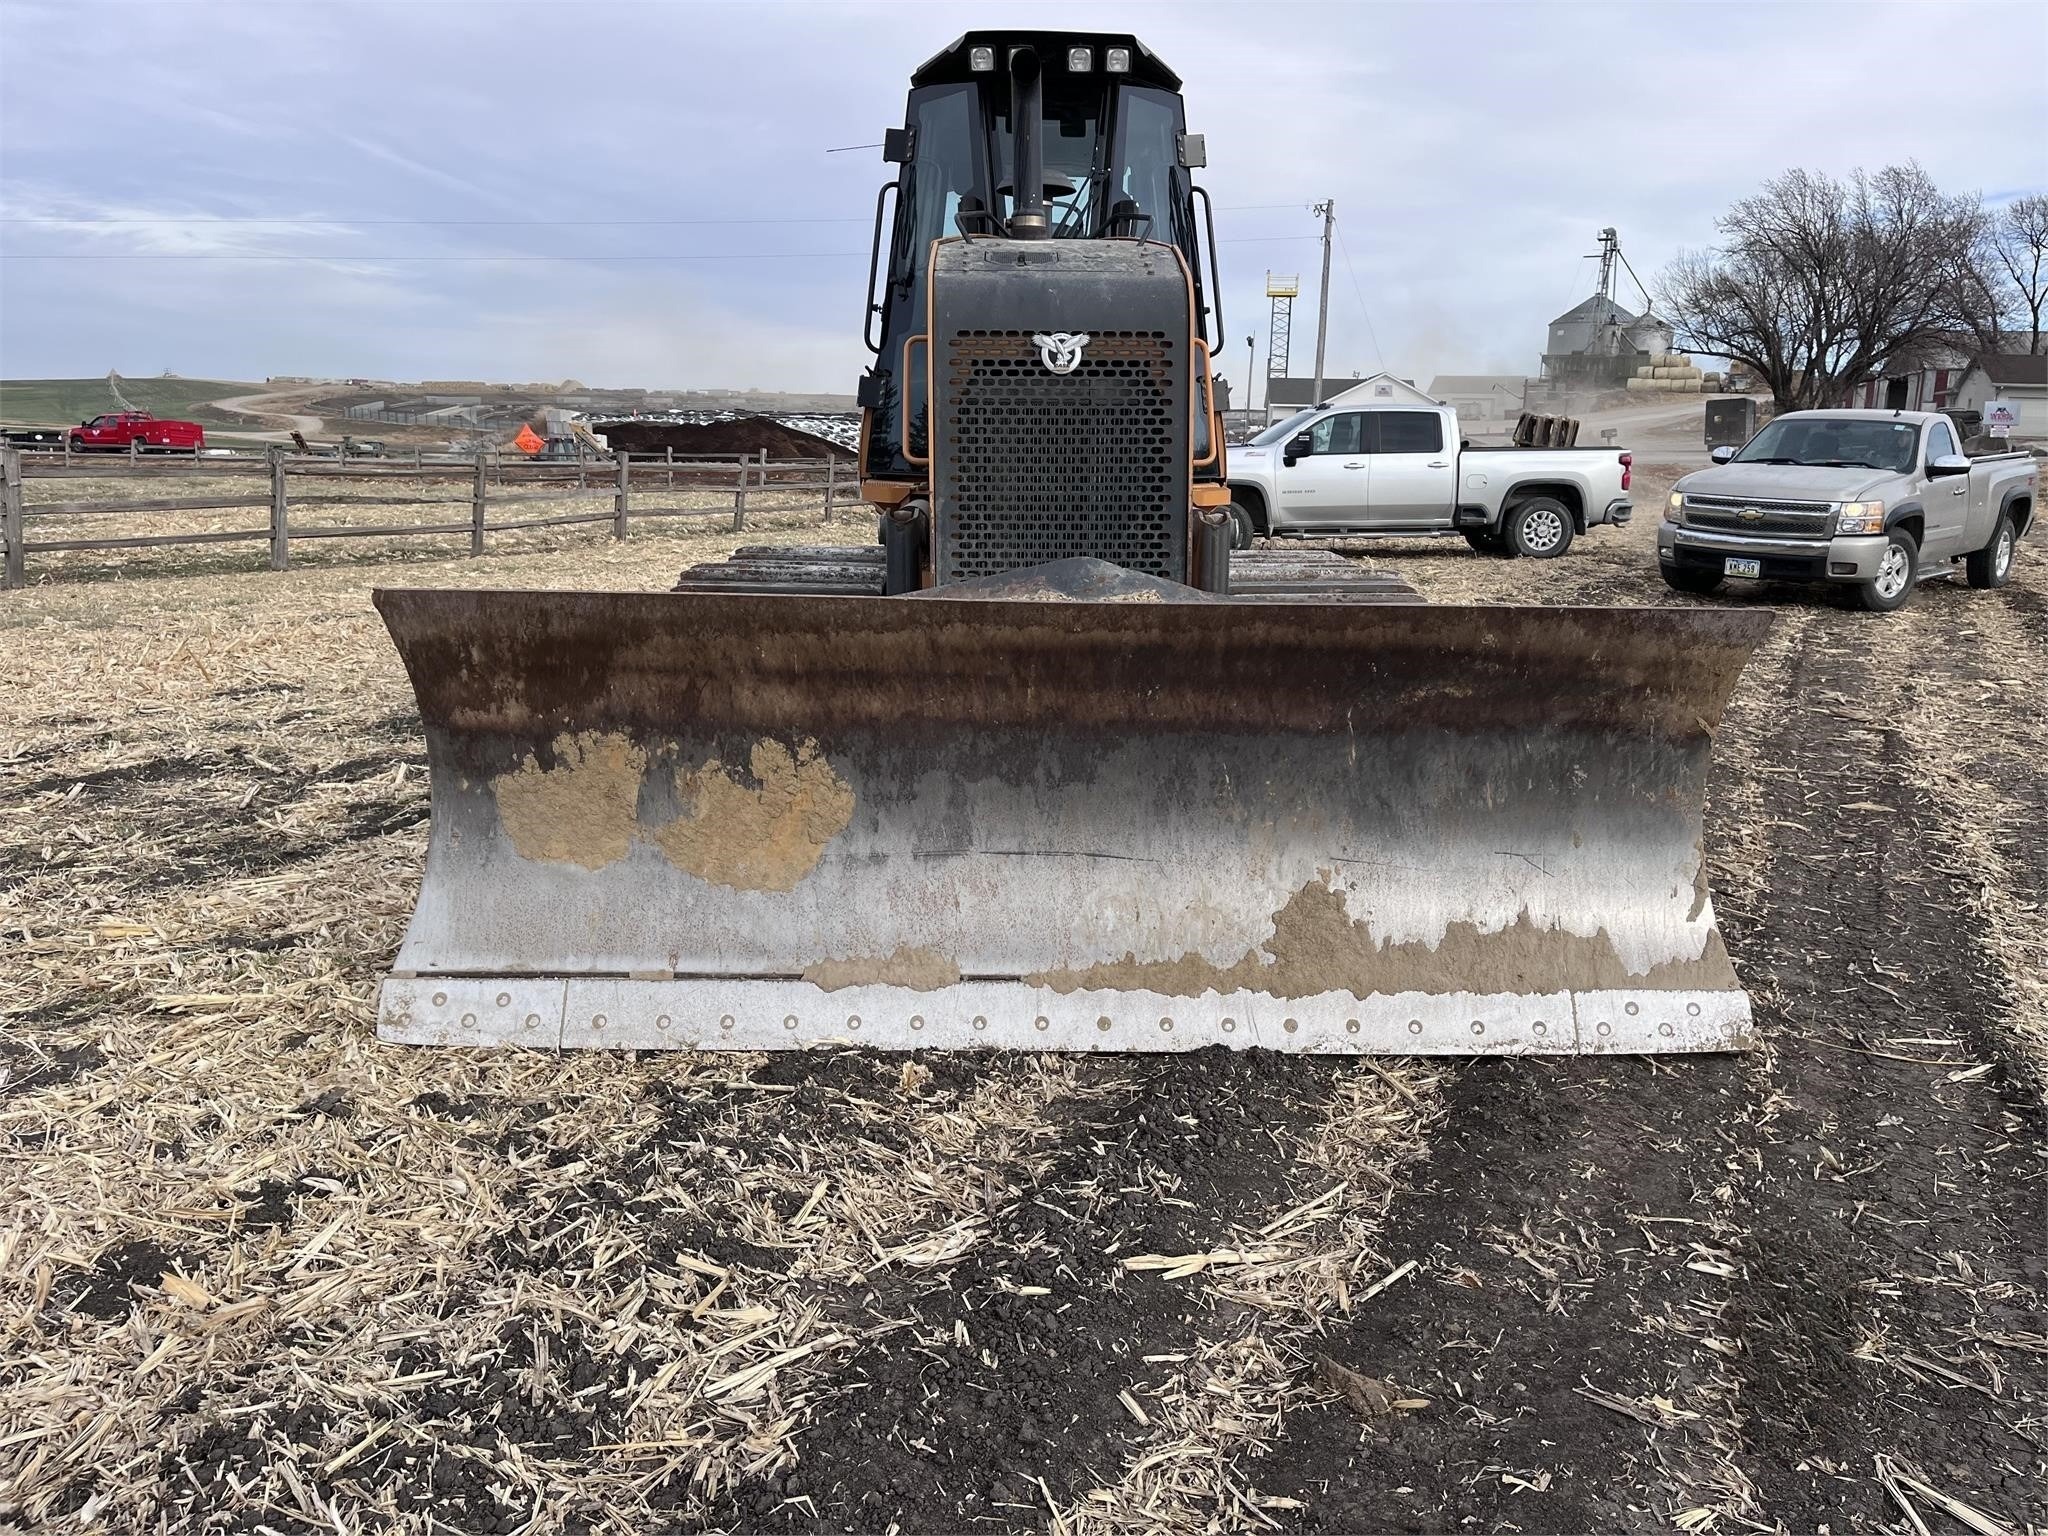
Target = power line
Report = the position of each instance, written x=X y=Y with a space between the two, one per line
x=1359 y=293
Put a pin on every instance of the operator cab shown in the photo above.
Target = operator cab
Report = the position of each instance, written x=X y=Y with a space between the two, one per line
x=1112 y=157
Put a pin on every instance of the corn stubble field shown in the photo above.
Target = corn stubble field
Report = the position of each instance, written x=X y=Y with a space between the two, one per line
x=260 y=1273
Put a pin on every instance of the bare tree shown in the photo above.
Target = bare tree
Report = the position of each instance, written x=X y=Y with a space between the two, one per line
x=1820 y=282
x=2002 y=282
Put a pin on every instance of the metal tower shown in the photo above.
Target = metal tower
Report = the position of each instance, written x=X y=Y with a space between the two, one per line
x=1279 y=328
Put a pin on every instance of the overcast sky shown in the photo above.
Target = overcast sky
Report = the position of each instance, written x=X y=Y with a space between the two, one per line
x=446 y=176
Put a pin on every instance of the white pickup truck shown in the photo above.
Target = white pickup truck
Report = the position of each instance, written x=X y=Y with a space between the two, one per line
x=1403 y=471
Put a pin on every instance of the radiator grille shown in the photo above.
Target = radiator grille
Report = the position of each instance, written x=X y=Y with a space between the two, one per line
x=1808 y=517
x=1042 y=466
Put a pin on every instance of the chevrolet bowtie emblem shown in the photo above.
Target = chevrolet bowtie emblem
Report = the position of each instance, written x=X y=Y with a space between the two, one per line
x=1061 y=350
x=1750 y=515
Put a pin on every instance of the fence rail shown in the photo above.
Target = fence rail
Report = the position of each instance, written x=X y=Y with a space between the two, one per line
x=493 y=483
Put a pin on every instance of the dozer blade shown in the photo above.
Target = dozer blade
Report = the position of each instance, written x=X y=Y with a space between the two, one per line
x=757 y=822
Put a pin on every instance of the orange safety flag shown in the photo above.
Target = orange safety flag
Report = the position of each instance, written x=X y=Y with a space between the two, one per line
x=528 y=440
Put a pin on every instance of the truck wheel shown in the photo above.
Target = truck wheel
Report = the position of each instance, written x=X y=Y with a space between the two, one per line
x=1540 y=528
x=1889 y=589
x=1991 y=566
x=1699 y=583
x=1241 y=527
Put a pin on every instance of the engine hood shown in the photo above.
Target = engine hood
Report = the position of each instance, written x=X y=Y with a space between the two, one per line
x=1785 y=482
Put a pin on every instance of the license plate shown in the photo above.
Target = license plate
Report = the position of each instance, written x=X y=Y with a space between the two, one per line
x=1735 y=566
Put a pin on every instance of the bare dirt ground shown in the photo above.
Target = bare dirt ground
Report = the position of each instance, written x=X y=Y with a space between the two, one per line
x=259 y=1273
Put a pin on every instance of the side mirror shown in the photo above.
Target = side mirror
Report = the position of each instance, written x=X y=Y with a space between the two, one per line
x=1299 y=446
x=1948 y=464
x=1722 y=454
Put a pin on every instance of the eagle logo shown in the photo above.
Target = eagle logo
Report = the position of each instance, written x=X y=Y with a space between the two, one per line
x=1061 y=350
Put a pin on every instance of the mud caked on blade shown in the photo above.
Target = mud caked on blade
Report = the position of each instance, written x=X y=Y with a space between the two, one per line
x=709 y=820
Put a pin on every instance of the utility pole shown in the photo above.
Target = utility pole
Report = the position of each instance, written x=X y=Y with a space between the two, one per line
x=1328 y=209
x=1251 y=372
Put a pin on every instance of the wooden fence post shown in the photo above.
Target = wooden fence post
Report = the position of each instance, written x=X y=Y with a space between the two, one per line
x=10 y=517
x=582 y=470
x=476 y=506
x=280 y=513
x=134 y=450
x=739 y=500
x=831 y=484
x=621 y=496
x=67 y=447
x=668 y=457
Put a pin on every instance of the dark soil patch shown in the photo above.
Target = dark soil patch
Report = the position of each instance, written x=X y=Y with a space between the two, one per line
x=1846 y=1183
x=106 y=1290
x=25 y=1064
x=927 y=1434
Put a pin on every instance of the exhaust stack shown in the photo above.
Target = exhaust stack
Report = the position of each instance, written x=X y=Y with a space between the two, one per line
x=1028 y=220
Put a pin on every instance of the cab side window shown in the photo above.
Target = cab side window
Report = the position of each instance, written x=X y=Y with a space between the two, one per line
x=1411 y=432
x=1338 y=434
x=1941 y=442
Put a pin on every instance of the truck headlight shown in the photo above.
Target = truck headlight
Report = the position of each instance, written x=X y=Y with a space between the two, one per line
x=1860 y=517
x=1675 y=510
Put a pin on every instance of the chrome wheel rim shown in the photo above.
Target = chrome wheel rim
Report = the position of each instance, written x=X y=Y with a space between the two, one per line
x=2001 y=556
x=1891 y=572
x=1542 y=531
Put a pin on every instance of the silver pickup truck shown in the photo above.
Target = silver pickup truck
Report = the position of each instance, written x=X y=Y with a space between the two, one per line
x=1876 y=501
x=1402 y=471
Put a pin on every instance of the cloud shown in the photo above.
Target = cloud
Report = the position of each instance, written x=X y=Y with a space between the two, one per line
x=1473 y=151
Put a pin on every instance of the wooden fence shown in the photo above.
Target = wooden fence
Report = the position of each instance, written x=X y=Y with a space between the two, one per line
x=490 y=484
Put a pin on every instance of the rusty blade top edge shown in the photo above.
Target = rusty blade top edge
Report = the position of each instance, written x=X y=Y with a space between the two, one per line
x=529 y=663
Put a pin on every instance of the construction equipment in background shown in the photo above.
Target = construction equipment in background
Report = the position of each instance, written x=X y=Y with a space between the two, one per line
x=1049 y=768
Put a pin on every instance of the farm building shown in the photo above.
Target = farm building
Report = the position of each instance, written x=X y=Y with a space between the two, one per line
x=1599 y=342
x=2020 y=381
x=1925 y=378
x=807 y=437
x=1284 y=395
x=1480 y=396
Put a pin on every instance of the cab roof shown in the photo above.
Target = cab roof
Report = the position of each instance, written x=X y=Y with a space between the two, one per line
x=1917 y=418
x=950 y=66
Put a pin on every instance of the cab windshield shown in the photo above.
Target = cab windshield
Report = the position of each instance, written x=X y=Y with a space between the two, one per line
x=1835 y=442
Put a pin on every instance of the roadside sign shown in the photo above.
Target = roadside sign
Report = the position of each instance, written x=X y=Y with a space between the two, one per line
x=2000 y=417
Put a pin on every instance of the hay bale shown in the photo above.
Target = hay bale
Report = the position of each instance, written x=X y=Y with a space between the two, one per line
x=1640 y=383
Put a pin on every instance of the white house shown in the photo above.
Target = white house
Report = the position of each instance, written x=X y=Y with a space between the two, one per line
x=1285 y=396
x=2020 y=381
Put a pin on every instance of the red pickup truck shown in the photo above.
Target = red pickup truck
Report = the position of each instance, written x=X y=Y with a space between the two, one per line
x=117 y=429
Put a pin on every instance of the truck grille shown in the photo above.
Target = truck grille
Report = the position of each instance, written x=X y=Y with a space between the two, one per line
x=1043 y=466
x=1810 y=518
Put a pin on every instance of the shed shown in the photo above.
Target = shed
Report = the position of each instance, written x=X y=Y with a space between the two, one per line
x=2019 y=379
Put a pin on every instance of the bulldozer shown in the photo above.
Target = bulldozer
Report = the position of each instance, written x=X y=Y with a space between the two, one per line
x=1050 y=765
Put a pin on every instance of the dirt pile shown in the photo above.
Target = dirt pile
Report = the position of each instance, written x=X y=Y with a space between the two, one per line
x=746 y=434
